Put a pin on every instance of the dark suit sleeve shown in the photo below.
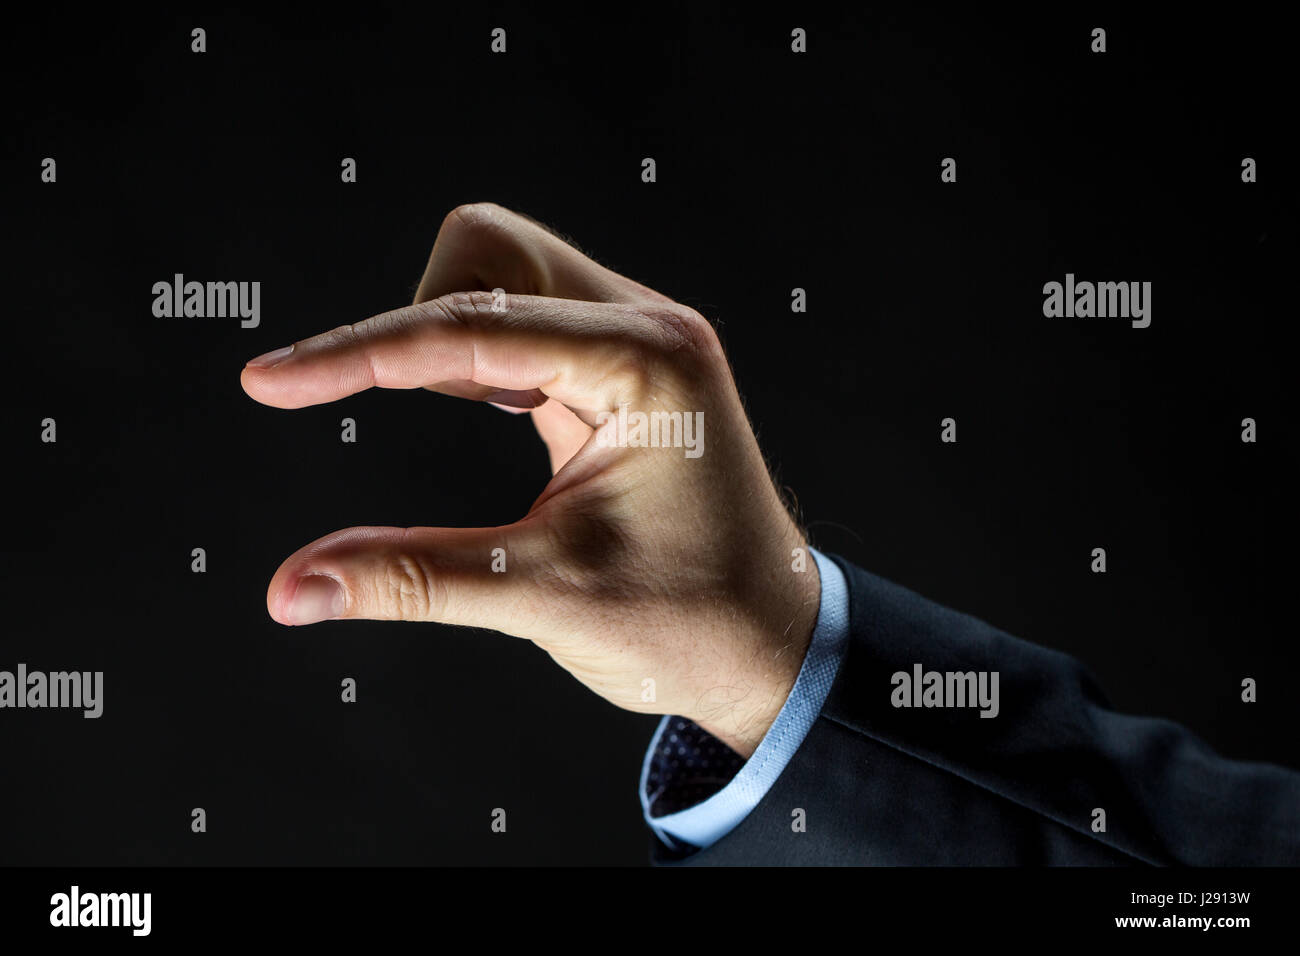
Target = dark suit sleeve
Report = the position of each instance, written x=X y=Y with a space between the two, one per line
x=880 y=784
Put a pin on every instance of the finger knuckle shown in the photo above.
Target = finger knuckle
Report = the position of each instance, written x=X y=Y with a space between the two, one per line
x=463 y=308
x=410 y=590
x=473 y=217
x=684 y=330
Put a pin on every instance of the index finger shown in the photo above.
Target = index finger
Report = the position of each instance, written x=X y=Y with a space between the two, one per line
x=589 y=356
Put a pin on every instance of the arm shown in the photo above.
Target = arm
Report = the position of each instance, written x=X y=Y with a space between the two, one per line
x=881 y=783
x=661 y=568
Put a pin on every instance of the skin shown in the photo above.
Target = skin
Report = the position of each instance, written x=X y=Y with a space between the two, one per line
x=633 y=563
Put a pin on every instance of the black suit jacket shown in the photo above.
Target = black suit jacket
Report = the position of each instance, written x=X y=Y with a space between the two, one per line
x=881 y=784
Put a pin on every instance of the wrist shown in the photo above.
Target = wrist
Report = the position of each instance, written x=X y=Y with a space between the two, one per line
x=744 y=710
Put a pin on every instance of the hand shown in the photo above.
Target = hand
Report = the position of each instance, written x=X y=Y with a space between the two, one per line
x=673 y=564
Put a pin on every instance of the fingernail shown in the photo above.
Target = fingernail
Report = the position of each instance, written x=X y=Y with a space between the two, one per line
x=318 y=598
x=271 y=359
x=525 y=399
x=513 y=410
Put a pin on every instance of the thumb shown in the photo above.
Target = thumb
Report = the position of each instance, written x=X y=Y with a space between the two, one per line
x=448 y=575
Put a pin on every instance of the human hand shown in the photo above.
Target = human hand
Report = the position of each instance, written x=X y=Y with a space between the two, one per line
x=673 y=564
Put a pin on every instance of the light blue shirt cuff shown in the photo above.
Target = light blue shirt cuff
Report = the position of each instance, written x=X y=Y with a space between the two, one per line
x=709 y=820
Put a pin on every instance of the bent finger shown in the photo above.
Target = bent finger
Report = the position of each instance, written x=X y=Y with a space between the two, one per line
x=483 y=246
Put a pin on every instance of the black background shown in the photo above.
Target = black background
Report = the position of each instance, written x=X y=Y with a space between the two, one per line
x=775 y=170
